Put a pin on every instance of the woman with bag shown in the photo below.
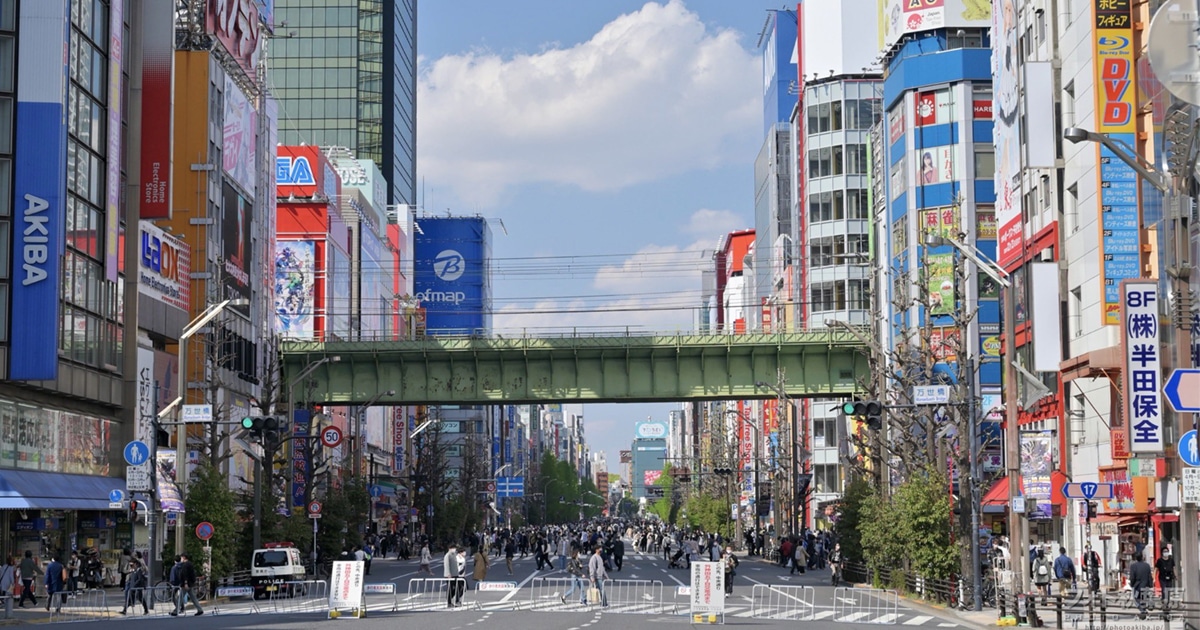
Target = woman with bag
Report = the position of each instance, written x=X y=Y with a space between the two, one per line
x=799 y=559
x=731 y=563
x=8 y=576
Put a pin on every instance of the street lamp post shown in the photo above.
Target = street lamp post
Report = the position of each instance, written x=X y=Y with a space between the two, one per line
x=1000 y=276
x=799 y=509
x=181 y=476
x=1179 y=268
x=758 y=441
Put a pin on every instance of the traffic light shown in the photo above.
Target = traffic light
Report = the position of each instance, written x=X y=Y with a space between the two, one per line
x=1091 y=509
x=723 y=471
x=262 y=427
x=870 y=410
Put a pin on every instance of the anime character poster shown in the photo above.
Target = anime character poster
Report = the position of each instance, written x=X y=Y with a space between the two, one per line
x=295 y=272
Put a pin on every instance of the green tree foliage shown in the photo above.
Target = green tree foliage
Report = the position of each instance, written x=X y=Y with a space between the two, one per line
x=709 y=514
x=909 y=530
x=564 y=495
x=667 y=507
x=209 y=499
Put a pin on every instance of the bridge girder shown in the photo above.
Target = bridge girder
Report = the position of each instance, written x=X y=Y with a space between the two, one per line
x=481 y=371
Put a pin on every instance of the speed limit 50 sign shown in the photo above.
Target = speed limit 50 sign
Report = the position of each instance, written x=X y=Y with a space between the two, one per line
x=331 y=436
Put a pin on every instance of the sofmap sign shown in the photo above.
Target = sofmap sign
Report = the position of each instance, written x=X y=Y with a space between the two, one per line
x=165 y=267
x=40 y=190
x=1143 y=365
x=452 y=279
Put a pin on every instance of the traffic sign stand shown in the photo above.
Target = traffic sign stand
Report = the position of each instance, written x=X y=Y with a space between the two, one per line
x=1182 y=390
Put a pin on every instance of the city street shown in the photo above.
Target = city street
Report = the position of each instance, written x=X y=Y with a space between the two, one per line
x=655 y=598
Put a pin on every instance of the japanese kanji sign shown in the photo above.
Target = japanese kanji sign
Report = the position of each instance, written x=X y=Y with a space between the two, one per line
x=1143 y=365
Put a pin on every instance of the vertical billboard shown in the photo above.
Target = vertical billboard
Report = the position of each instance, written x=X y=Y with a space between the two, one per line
x=1116 y=102
x=235 y=240
x=158 y=59
x=112 y=204
x=295 y=292
x=301 y=418
x=237 y=155
x=337 y=292
x=1037 y=464
x=452 y=277
x=40 y=190
x=1143 y=365
x=1005 y=134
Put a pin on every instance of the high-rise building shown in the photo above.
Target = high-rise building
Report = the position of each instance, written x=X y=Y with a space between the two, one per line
x=345 y=74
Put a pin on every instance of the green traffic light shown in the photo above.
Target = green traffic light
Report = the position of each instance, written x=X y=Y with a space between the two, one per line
x=848 y=408
x=247 y=423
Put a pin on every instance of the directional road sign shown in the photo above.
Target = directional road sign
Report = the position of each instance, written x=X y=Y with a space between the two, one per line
x=507 y=487
x=1182 y=390
x=204 y=530
x=1189 y=449
x=931 y=394
x=375 y=490
x=137 y=453
x=1088 y=490
x=331 y=437
x=116 y=496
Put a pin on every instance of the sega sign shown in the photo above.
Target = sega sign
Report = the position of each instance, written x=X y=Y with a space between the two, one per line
x=302 y=171
x=164 y=268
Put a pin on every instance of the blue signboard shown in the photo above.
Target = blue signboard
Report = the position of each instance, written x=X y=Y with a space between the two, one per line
x=39 y=184
x=452 y=274
x=300 y=464
x=507 y=487
x=1119 y=221
x=137 y=453
x=779 y=71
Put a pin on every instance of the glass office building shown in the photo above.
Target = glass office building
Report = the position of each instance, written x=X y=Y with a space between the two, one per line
x=345 y=74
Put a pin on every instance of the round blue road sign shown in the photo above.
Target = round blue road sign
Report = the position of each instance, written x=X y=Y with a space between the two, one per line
x=137 y=453
x=1189 y=449
x=116 y=496
x=376 y=491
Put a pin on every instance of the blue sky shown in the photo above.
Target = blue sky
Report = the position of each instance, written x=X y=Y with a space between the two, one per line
x=613 y=140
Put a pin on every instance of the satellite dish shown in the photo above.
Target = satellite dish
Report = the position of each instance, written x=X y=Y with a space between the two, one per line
x=1171 y=47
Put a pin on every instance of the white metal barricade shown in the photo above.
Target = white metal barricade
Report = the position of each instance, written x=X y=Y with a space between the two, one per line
x=299 y=596
x=635 y=596
x=682 y=600
x=495 y=586
x=230 y=593
x=783 y=601
x=548 y=594
x=434 y=594
x=865 y=605
x=379 y=592
x=87 y=605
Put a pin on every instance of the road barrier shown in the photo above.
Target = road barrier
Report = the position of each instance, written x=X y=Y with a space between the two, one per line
x=235 y=591
x=378 y=590
x=79 y=606
x=624 y=596
x=682 y=602
x=545 y=593
x=431 y=593
x=865 y=605
x=783 y=601
x=159 y=601
x=299 y=596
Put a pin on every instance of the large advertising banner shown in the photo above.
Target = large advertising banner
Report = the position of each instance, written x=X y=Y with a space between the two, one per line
x=902 y=17
x=938 y=165
x=941 y=283
x=237 y=156
x=299 y=469
x=452 y=276
x=1037 y=463
x=399 y=438
x=235 y=240
x=112 y=204
x=295 y=292
x=235 y=23
x=1005 y=134
x=1116 y=102
x=40 y=190
x=158 y=65
x=337 y=292
x=164 y=267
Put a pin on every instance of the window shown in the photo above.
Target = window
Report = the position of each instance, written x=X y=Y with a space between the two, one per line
x=860 y=113
x=835 y=116
x=1071 y=209
x=900 y=235
x=820 y=162
x=837 y=160
x=826 y=479
x=824 y=432
x=899 y=179
x=985 y=162
x=859 y=294
x=856 y=205
x=856 y=159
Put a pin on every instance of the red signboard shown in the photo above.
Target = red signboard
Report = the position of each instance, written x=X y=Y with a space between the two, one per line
x=301 y=172
x=926 y=109
x=235 y=24
x=158 y=55
x=982 y=110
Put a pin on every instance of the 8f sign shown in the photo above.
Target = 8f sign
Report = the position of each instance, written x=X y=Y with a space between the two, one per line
x=1143 y=364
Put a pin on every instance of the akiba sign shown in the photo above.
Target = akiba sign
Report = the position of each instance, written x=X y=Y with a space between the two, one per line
x=40 y=185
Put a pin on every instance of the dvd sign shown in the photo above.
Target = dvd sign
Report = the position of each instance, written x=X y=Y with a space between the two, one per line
x=165 y=267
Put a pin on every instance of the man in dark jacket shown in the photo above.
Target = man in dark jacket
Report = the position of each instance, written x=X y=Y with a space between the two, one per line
x=55 y=583
x=1141 y=581
x=187 y=581
x=618 y=552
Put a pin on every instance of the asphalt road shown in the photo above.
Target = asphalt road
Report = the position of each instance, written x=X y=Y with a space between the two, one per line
x=644 y=592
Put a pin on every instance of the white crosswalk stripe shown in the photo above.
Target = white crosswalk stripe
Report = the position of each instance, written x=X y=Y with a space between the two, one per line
x=919 y=620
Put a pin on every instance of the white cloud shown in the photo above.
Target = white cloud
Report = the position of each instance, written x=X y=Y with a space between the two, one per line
x=653 y=94
x=713 y=224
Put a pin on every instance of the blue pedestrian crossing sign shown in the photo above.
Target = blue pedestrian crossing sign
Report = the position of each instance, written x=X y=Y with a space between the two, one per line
x=116 y=496
x=1189 y=449
x=137 y=453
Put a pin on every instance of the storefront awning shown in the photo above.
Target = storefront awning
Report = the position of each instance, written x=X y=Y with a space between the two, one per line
x=35 y=490
x=996 y=499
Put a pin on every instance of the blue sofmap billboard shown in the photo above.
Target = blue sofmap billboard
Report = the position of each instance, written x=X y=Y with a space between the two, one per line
x=779 y=68
x=452 y=274
x=39 y=185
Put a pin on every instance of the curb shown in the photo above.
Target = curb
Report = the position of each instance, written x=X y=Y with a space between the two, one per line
x=940 y=612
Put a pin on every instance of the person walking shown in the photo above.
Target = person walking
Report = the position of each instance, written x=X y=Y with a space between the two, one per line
x=510 y=550
x=1064 y=572
x=73 y=566
x=123 y=565
x=799 y=560
x=1091 y=568
x=481 y=565
x=1042 y=570
x=1141 y=581
x=450 y=571
x=618 y=552
x=8 y=576
x=731 y=564
x=56 y=582
x=187 y=582
x=576 y=571
x=29 y=571
x=835 y=564
x=1165 y=568
x=135 y=586
x=597 y=574
x=426 y=559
